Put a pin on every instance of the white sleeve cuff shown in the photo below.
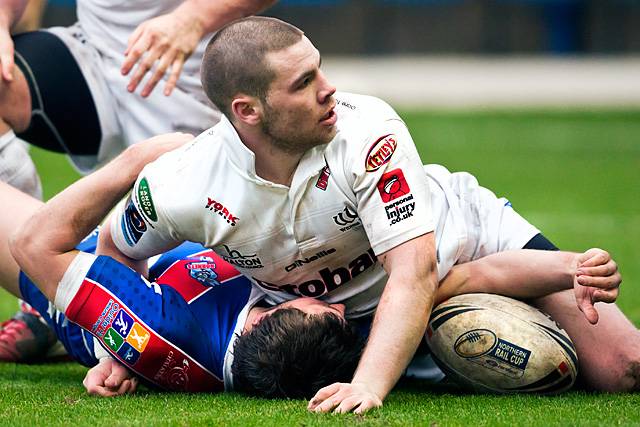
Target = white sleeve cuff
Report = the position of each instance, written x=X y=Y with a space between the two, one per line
x=72 y=279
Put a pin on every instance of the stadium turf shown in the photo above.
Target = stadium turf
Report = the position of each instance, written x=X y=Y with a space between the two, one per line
x=574 y=174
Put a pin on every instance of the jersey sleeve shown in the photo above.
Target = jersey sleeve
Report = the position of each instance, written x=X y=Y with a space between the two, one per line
x=391 y=187
x=140 y=226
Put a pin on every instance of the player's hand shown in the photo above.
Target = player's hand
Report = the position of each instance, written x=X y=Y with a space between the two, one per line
x=109 y=378
x=344 y=397
x=161 y=45
x=597 y=279
x=150 y=149
x=6 y=54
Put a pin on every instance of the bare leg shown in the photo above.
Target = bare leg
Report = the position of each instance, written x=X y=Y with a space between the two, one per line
x=608 y=352
x=16 y=208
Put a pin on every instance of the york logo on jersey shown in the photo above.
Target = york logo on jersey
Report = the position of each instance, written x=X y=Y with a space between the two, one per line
x=243 y=261
x=221 y=210
x=146 y=201
x=392 y=185
x=323 y=179
x=300 y=262
x=132 y=224
x=381 y=152
x=346 y=219
x=328 y=280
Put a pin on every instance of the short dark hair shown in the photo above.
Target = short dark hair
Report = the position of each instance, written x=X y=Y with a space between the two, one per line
x=234 y=60
x=293 y=354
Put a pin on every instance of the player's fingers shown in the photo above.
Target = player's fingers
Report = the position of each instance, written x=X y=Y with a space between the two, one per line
x=593 y=257
x=176 y=69
x=7 y=67
x=347 y=405
x=323 y=394
x=135 y=53
x=161 y=69
x=366 y=406
x=599 y=282
x=608 y=296
x=606 y=269
x=134 y=385
x=134 y=37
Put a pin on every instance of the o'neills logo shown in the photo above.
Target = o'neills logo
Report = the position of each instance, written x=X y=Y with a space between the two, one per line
x=221 y=210
x=381 y=152
x=328 y=280
x=300 y=262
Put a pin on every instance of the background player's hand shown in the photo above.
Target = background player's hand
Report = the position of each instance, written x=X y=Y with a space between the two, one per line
x=6 y=54
x=150 y=149
x=343 y=398
x=597 y=279
x=161 y=45
x=109 y=378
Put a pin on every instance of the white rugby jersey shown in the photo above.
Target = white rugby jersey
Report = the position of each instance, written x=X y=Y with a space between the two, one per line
x=360 y=195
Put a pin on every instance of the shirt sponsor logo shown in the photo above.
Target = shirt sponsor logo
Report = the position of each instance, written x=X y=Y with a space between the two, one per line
x=300 y=262
x=347 y=219
x=323 y=179
x=381 y=152
x=132 y=224
x=400 y=209
x=221 y=210
x=105 y=318
x=203 y=271
x=173 y=372
x=146 y=201
x=393 y=185
x=328 y=280
x=243 y=261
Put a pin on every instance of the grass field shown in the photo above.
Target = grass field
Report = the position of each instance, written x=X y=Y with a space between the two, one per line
x=576 y=175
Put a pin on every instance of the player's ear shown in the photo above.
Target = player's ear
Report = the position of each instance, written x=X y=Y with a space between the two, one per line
x=247 y=109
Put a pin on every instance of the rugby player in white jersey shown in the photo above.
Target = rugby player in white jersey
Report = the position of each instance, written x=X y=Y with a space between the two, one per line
x=312 y=194
x=222 y=327
x=72 y=90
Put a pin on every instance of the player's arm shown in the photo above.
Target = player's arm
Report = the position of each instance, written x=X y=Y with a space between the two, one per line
x=10 y=13
x=525 y=274
x=44 y=246
x=166 y=42
x=398 y=326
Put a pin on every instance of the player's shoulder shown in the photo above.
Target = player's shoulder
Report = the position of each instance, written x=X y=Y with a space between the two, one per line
x=363 y=107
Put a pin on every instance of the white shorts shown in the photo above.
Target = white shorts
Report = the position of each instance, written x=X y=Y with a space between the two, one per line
x=471 y=221
x=127 y=118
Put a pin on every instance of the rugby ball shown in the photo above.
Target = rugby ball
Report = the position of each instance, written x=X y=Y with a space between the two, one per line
x=491 y=343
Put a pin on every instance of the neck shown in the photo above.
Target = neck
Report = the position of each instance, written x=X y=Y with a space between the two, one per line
x=271 y=163
x=253 y=317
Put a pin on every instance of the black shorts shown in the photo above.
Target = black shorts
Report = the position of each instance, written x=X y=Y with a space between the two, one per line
x=64 y=117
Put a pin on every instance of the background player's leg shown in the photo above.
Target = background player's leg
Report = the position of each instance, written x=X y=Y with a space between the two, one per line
x=16 y=208
x=608 y=352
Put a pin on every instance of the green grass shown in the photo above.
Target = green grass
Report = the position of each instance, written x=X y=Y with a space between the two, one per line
x=576 y=175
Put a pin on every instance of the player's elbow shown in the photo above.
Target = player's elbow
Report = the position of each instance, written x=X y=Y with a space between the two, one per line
x=24 y=247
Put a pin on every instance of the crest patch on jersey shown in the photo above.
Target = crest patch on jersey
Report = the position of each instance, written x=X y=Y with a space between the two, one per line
x=381 y=152
x=203 y=270
x=145 y=201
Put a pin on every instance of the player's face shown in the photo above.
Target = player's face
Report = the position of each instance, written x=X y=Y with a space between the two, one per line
x=299 y=109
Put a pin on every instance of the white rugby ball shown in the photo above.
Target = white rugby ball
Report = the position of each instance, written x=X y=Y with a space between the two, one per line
x=495 y=344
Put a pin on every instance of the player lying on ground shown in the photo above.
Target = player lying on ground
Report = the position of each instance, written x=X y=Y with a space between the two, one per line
x=158 y=329
x=317 y=193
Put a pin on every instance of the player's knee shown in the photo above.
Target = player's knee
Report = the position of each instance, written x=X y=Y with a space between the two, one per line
x=623 y=374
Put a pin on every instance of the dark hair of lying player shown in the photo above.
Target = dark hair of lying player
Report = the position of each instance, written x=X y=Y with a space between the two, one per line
x=293 y=354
